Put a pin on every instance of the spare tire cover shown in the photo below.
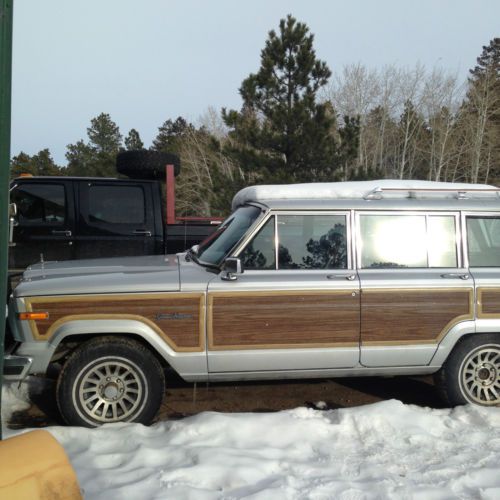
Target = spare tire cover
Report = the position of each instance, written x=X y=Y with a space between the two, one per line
x=146 y=164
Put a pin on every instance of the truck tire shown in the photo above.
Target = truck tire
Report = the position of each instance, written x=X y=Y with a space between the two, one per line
x=471 y=374
x=110 y=379
x=146 y=164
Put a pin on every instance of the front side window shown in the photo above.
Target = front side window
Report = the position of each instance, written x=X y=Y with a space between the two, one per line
x=260 y=252
x=304 y=242
x=483 y=240
x=312 y=242
x=40 y=203
x=407 y=241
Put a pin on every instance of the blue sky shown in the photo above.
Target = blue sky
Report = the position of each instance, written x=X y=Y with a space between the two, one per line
x=146 y=61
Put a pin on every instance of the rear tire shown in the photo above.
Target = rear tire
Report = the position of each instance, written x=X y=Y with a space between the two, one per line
x=471 y=373
x=111 y=379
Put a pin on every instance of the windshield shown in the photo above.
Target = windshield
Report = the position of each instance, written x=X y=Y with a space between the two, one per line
x=213 y=249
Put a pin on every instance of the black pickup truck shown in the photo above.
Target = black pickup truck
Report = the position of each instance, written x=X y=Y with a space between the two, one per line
x=63 y=218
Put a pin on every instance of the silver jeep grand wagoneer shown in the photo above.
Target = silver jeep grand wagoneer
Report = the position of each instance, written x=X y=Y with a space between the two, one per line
x=320 y=280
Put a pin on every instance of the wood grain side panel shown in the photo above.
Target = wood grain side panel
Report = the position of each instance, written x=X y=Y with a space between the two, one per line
x=177 y=318
x=412 y=316
x=277 y=320
x=488 y=302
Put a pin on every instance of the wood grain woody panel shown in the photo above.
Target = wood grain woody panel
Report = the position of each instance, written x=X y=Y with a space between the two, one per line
x=267 y=320
x=179 y=323
x=489 y=301
x=411 y=316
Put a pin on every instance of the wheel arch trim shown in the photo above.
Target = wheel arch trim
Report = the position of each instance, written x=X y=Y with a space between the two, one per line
x=459 y=331
x=184 y=363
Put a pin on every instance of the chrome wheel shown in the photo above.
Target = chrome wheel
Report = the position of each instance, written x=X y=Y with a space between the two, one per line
x=479 y=375
x=110 y=389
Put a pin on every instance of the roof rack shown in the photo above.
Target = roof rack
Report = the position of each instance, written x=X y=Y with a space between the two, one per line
x=460 y=193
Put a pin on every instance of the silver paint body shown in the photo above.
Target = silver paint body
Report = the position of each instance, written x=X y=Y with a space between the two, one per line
x=159 y=274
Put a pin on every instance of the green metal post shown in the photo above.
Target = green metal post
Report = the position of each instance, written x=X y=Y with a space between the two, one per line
x=6 y=9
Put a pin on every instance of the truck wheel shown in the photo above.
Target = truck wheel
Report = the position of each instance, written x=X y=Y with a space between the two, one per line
x=146 y=164
x=111 y=379
x=471 y=373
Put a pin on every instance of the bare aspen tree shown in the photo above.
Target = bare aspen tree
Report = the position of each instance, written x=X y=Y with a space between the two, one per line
x=440 y=101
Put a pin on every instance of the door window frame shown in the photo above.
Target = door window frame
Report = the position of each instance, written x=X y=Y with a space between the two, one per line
x=276 y=213
x=465 y=241
x=46 y=224
x=116 y=229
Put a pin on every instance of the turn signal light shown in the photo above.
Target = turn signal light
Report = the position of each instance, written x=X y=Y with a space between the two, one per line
x=33 y=315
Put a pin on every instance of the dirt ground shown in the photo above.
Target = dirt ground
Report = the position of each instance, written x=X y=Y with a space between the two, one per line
x=183 y=399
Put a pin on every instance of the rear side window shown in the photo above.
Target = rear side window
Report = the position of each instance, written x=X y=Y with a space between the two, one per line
x=40 y=203
x=483 y=241
x=117 y=204
x=408 y=241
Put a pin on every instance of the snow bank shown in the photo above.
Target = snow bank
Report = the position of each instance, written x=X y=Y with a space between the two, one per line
x=334 y=190
x=385 y=450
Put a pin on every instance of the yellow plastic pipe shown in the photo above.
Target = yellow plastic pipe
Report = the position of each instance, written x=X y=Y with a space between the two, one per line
x=34 y=466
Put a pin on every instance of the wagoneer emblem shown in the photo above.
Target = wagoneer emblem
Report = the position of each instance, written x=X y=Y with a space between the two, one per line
x=160 y=316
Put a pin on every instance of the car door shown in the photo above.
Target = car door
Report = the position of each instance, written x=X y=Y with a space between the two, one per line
x=296 y=305
x=116 y=218
x=44 y=224
x=415 y=287
x=483 y=252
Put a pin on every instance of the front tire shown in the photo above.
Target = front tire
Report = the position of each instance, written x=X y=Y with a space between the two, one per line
x=471 y=374
x=110 y=380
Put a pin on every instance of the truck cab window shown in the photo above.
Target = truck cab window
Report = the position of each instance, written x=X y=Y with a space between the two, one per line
x=116 y=204
x=40 y=203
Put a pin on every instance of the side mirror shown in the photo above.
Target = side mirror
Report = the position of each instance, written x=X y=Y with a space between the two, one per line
x=12 y=222
x=12 y=209
x=231 y=268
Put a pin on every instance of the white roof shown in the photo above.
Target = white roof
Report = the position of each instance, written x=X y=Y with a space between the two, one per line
x=346 y=190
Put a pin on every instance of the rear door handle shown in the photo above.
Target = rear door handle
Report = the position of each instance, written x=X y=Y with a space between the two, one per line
x=349 y=277
x=457 y=276
x=61 y=233
x=142 y=232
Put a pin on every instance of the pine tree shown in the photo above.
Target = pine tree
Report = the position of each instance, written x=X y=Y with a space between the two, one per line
x=171 y=134
x=483 y=109
x=104 y=135
x=282 y=132
x=97 y=157
x=133 y=140
x=41 y=163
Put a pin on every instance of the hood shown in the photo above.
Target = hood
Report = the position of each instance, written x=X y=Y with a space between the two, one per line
x=111 y=275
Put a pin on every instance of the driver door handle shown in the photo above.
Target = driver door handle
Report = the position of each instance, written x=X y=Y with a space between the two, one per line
x=61 y=233
x=457 y=276
x=349 y=277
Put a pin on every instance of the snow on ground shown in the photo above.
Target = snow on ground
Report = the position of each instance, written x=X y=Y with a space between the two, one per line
x=14 y=398
x=384 y=450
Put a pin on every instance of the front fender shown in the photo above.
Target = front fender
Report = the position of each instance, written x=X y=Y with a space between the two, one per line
x=191 y=366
